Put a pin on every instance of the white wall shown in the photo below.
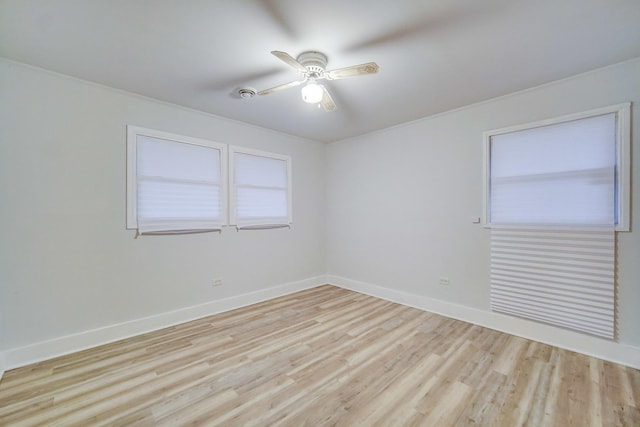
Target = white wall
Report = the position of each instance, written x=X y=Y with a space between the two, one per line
x=395 y=217
x=68 y=263
x=400 y=203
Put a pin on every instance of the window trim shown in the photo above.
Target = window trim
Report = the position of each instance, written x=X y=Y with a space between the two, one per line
x=623 y=156
x=131 y=180
x=233 y=221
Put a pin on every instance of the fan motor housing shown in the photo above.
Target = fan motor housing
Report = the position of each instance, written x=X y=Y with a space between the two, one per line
x=315 y=62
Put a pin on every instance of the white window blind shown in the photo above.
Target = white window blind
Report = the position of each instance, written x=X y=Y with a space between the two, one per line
x=261 y=189
x=178 y=184
x=555 y=191
x=557 y=174
x=562 y=276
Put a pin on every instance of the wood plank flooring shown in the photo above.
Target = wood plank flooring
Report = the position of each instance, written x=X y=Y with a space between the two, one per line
x=323 y=357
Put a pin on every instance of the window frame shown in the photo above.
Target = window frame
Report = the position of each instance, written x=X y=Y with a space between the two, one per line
x=233 y=220
x=623 y=157
x=131 y=180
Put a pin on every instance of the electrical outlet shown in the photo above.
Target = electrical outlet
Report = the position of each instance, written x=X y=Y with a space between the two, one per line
x=444 y=280
x=217 y=282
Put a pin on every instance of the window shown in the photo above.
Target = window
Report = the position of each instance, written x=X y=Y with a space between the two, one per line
x=174 y=183
x=568 y=171
x=555 y=192
x=260 y=191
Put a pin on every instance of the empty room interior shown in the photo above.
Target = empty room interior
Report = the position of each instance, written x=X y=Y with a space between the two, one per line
x=319 y=213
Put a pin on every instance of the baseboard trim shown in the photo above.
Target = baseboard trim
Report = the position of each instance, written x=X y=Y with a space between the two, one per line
x=592 y=346
x=37 y=352
x=603 y=349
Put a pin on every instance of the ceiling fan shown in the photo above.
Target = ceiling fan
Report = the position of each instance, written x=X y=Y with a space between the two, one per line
x=312 y=68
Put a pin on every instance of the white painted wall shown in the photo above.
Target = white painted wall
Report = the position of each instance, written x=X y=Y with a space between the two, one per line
x=386 y=213
x=400 y=202
x=68 y=263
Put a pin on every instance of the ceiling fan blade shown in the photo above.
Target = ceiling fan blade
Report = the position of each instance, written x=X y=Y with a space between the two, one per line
x=280 y=87
x=277 y=12
x=354 y=70
x=429 y=22
x=327 y=102
x=285 y=57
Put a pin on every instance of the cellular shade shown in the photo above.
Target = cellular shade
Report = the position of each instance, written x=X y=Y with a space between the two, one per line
x=178 y=186
x=557 y=174
x=261 y=189
x=561 y=276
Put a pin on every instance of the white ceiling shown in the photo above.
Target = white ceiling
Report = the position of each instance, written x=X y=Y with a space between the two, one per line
x=433 y=55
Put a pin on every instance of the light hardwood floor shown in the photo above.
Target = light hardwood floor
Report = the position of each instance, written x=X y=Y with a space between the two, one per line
x=325 y=356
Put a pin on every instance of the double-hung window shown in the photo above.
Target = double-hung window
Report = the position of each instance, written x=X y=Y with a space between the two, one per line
x=260 y=188
x=174 y=183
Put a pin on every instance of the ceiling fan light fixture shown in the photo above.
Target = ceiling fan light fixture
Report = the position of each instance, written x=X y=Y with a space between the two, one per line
x=312 y=67
x=312 y=93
